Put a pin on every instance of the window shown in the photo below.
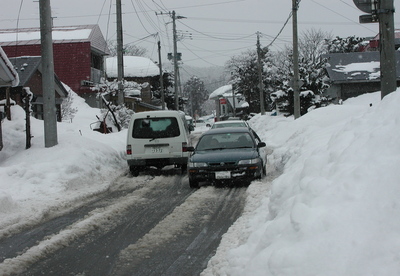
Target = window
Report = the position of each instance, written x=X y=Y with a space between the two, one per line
x=152 y=128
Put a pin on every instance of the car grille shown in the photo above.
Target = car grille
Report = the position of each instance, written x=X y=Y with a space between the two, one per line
x=219 y=164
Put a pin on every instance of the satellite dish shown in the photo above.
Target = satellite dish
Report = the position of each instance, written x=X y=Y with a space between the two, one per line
x=368 y=6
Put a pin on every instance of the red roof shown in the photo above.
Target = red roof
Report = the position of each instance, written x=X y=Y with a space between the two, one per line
x=64 y=34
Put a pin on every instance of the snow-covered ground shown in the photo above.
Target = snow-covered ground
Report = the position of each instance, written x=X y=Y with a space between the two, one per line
x=333 y=211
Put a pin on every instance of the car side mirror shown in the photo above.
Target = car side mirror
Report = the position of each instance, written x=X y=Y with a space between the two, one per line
x=190 y=149
x=261 y=145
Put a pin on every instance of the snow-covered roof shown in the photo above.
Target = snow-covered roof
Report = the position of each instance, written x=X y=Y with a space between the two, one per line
x=134 y=66
x=356 y=67
x=221 y=91
x=8 y=75
x=65 y=34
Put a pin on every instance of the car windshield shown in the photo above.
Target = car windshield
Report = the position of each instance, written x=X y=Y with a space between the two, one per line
x=225 y=141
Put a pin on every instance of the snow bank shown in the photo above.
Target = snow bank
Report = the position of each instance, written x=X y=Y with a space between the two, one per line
x=335 y=208
x=36 y=180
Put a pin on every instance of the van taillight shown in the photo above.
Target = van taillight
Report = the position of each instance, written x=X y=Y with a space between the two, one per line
x=184 y=147
x=129 y=149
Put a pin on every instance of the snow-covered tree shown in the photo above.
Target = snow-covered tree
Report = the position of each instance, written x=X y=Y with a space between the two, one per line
x=67 y=111
x=346 y=45
x=245 y=80
x=196 y=94
x=312 y=73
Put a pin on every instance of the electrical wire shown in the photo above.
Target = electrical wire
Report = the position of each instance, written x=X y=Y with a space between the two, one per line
x=283 y=27
x=16 y=34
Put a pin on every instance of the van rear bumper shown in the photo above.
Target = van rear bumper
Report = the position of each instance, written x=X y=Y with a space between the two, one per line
x=158 y=162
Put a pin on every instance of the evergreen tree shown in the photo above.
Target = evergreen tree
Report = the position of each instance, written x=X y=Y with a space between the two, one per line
x=196 y=94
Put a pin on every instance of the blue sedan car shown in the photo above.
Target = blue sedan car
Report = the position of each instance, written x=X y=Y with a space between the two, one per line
x=225 y=155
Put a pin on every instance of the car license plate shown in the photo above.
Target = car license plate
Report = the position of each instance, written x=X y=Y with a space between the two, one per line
x=223 y=175
x=156 y=149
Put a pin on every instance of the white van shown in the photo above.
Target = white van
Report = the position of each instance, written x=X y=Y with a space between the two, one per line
x=157 y=138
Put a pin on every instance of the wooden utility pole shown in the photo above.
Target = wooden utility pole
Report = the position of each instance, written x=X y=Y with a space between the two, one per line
x=120 y=55
x=161 y=77
x=387 y=47
x=49 y=103
x=175 y=56
x=296 y=93
x=260 y=81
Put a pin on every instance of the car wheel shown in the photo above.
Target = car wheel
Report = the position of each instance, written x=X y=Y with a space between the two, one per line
x=193 y=183
x=134 y=170
x=262 y=172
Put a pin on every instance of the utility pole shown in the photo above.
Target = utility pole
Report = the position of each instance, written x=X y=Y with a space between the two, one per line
x=382 y=11
x=49 y=102
x=261 y=84
x=175 y=56
x=175 y=61
x=161 y=77
x=296 y=93
x=120 y=55
x=386 y=47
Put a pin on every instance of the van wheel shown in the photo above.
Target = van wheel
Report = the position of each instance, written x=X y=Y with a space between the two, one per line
x=134 y=170
x=193 y=183
x=183 y=168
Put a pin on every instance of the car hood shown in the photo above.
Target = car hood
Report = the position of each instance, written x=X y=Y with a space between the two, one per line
x=224 y=155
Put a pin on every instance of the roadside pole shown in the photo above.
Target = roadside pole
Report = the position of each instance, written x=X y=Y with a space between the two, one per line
x=387 y=47
x=49 y=102
x=296 y=93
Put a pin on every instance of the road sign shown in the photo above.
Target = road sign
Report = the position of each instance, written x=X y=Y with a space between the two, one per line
x=368 y=6
x=368 y=18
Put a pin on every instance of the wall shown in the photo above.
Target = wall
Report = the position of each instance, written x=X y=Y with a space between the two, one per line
x=72 y=61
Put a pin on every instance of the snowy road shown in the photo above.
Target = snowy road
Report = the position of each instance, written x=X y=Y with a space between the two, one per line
x=149 y=225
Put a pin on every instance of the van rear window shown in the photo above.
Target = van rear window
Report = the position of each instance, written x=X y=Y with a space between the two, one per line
x=149 y=128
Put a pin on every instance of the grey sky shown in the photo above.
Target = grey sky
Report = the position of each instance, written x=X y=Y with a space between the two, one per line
x=212 y=30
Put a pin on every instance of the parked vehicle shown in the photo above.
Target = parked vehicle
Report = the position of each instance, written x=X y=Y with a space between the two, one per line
x=227 y=154
x=230 y=123
x=189 y=122
x=157 y=138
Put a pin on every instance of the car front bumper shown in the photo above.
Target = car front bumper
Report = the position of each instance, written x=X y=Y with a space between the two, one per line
x=214 y=174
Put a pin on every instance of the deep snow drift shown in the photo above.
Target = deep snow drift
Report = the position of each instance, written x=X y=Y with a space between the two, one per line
x=333 y=211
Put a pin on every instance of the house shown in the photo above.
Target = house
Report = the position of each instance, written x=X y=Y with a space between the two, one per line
x=8 y=77
x=142 y=73
x=78 y=53
x=353 y=74
x=373 y=44
x=29 y=70
x=228 y=104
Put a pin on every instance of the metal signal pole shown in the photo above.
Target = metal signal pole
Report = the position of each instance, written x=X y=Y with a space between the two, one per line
x=49 y=102
x=296 y=94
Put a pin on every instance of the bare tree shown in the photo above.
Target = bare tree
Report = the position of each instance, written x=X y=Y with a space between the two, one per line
x=129 y=49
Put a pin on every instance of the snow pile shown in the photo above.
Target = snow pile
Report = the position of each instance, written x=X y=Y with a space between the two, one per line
x=330 y=207
x=40 y=179
x=335 y=209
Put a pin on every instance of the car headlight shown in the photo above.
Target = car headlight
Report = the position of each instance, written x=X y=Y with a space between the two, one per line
x=249 y=161
x=197 y=164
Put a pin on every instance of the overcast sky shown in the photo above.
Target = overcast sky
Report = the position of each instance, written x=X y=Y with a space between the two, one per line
x=212 y=30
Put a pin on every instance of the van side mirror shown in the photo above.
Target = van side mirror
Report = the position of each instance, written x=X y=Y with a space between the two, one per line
x=190 y=149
